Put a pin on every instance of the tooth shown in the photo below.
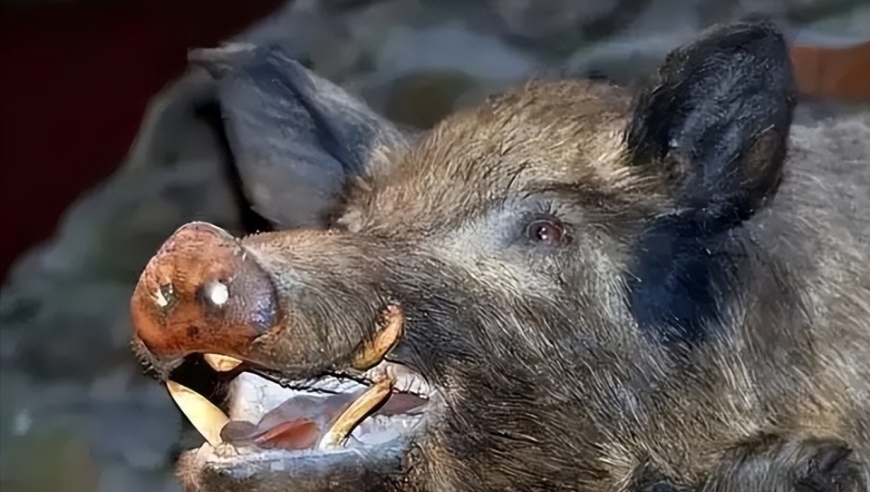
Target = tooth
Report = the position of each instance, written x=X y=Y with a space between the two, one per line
x=221 y=363
x=375 y=350
x=355 y=413
x=207 y=418
x=403 y=384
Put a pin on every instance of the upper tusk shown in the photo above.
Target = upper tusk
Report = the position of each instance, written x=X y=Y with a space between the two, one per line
x=373 y=351
x=221 y=363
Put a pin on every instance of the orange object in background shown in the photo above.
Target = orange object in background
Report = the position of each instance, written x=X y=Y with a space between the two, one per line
x=833 y=73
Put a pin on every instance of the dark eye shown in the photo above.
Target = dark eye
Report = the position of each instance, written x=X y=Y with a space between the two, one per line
x=546 y=231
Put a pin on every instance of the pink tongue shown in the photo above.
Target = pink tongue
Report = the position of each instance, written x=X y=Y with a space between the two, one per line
x=299 y=422
x=401 y=403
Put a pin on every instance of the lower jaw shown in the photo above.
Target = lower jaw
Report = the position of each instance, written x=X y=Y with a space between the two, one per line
x=287 y=467
x=348 y=469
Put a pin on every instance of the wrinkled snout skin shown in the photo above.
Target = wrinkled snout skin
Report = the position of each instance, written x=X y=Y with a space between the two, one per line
x=286 y=295
x=609 y=293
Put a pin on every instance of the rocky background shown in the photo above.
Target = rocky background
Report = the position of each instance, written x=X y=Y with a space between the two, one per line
x=77 y=414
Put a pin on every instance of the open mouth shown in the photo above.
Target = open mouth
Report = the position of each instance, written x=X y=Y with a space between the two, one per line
x=331 y=413
x=372 y=407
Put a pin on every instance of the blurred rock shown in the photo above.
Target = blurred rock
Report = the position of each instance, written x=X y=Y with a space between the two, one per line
x=559 y=27
x=840 y=29
x=446 y=47
x=623 y=59
x=798 y=11
x=68 y=458
x=422 y=99
x=339 y=38
x=128 y=424
x=533 y=18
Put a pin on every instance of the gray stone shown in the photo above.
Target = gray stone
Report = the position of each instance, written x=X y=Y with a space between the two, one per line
x=446 y=47
x=534 y=18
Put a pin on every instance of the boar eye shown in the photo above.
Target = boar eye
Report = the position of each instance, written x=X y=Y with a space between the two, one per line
x=546 y=231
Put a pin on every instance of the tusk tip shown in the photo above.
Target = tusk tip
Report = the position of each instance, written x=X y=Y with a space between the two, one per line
x=203 y=414
x=221 y=363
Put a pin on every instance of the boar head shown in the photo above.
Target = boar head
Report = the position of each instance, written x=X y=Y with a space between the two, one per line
x=564 y=288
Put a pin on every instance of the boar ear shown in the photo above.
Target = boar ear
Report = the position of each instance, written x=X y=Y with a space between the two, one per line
x=295 y=137
x=716 y=126
x=718 y=122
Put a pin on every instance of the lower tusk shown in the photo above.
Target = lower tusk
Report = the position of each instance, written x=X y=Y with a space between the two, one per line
x=222 y=363
x=355 y=413
x=375 y=350
x=207 y=418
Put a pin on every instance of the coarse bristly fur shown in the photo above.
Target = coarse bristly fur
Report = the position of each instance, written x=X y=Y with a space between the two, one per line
x=703 y=324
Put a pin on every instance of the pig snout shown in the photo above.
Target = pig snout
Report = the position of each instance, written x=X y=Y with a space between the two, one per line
x=203 y=292
x=293 y=302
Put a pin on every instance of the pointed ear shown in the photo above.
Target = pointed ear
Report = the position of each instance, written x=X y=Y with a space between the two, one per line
x=715 y=129
x=718 y=122
x=295 y=137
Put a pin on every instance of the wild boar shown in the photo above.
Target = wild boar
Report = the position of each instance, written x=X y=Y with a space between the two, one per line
x=566 y=288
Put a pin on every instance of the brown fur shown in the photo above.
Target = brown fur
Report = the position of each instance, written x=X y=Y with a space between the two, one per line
x=548 y=380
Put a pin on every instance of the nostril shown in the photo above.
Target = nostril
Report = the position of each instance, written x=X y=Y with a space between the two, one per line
x=164 y=296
